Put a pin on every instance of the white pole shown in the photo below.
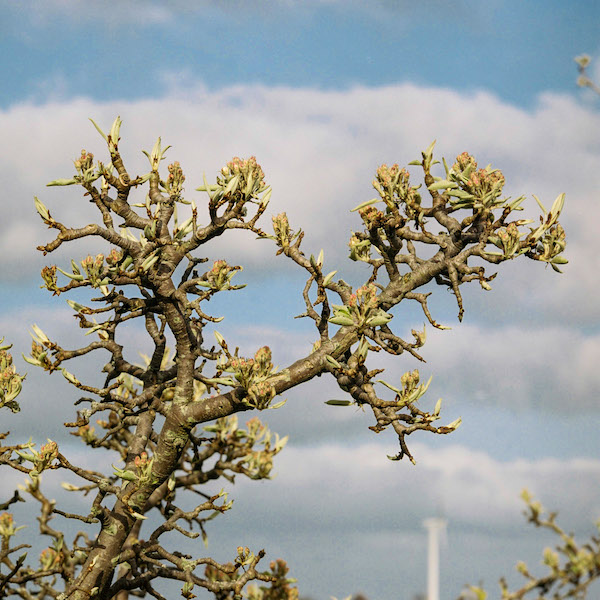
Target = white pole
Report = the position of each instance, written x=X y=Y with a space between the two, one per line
x=433 y=527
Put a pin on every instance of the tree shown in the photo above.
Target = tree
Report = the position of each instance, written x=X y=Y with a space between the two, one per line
x=195 y=395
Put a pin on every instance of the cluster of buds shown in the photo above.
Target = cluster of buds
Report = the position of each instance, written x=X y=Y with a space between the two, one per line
x=510 y=239
x=86 y=433
x=260 y=395
x=93 y=268
x=280 y=584
x=10 y=380
x=372 y=217
x=388 y=180
x=41 y=460
x=50 y=558
x=360 y=249
x=114 y=256
x=551 y=244
x=469 y=187
x=257 y=461
x=361 y=310
x=143 y=470
x=84 y=163
x=40 y=357
x=175 y=179
x=263 y=366
x=39 y=349
x=281 y=227
x=219 y=277
x=410 y=380
x=242 y=175
x=252 y=374
x=549 y=235
x=49 y=277
x=411 y=390
x=7 y=526
x=393 y=186
x=244 y=556
x=144 y=467
x=226 y=429
x=485 y=181
x=465 y=165
x=248 y=371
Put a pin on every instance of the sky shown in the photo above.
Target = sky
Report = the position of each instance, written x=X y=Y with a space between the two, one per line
x=323 y=92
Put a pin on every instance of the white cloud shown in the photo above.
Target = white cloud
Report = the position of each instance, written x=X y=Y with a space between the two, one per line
x=473 y=488
x=518 y=366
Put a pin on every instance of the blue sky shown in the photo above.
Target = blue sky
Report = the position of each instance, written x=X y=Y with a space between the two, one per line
x=323 y=92
x=515 y=49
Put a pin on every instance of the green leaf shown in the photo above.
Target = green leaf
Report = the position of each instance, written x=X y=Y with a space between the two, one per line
x=70 y=275
x=125 y=474
x=99 y=130
x=70 y=377
x=460 y=194
x=443 y=184
x=332 y=361
x=339 y=402
x=278 y=405
x=75 y=305
x=58 y=182
x=41 y=208
x=341 y=320
x=557 y=206
x=390 y=386
x=365 y=204
x=544 y=211
x=327 y=279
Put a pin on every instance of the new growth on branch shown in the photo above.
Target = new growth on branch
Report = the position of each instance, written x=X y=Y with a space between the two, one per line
x=150 y=271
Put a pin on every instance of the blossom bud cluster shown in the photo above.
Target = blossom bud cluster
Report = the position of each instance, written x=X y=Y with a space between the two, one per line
x=86 y=433
x=243 y=176
x=84 y=163
x=175 y=179
x=220 y=275
x=40 y=355
x=260 y=395
x=361 y=310
x=552 y=243
x=250 y=370
x=509 y=238
x=359 y=249
x=393 y=185
x=477 y=182
x=41 y=460
x=409 y=381
x=251 y=374
x=10 y=381
x=49 y=277
x=465 y=164
x=49 y=558
x=257 y=444
x=114 y=256
x=7 y=525
x=372 y=217
x=281 y=227
x=93 y=268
